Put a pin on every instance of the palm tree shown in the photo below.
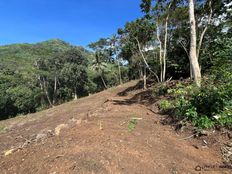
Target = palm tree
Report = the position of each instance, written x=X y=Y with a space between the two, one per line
x=99 y=66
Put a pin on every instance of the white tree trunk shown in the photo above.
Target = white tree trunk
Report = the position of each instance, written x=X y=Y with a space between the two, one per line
x=55 y=89
x=75 y=96
x=119 y=72
x=144 y=78
x=103 y=81
x=193 y=46
x=160 y=52
x=165 y=49
x=165 y=43
x=45 y=87
x=145 y=61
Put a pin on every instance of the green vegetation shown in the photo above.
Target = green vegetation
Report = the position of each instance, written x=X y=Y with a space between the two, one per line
x=205 y=107
x=165 y=105
x=37 y=76
x=211 y=104
x=132 y=124
x=2 y=128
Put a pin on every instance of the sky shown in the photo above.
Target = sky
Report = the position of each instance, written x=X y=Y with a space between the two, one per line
x=78 y=22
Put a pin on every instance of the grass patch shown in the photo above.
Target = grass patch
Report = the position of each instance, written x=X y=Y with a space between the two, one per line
x=90 y=164
x=2 y=128
x=132 y=123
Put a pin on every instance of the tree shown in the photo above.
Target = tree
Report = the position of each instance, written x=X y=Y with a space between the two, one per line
x=193 y=46
x=99 y=66
x=115 y=51
x=74 y=72
x=136 y=36
x=160 y=14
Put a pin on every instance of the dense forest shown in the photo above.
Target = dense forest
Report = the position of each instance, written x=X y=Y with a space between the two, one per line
x=175 y=39
x=34 y=77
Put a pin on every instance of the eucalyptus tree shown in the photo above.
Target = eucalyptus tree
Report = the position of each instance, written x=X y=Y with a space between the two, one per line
x=193 y=45
x=199 y=25
x=115 y=48
x=159 y=12
x=136 y=36
x=165 y=15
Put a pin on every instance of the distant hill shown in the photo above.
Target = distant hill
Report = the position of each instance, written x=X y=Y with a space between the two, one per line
x=37 y=76
x=19 y=57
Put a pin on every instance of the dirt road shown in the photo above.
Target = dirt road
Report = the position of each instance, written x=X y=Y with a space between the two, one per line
x=99 y=134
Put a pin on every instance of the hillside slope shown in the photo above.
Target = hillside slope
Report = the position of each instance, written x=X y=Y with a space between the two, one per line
x=91 y=136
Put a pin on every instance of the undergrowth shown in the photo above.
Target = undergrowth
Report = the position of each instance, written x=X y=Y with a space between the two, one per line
x=205 y=107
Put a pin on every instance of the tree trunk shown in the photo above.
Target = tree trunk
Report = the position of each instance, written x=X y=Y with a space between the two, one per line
x=55 y=89
x=165 y=44
x=75 y=94
x=46 y=92
x=165 y=49
x=191 y=71
x=144 y=78
x=119 y=72
x=140 y=72
x=160 y=52
x=103 y=81
x=190 y=66
x=42 y=99
x=193 y=46
x=144 y=60
x=205 y=29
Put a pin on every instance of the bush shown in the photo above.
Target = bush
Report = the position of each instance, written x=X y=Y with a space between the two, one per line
x=165 y=105
x=205 y=107
x=209 y=101
x=160 y=89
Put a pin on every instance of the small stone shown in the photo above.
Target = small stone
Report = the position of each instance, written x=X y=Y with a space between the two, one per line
x=78 y=121
x=59 y=127
x=204 y=133
x=205 y=142
x=41 y=137
x=9 y=152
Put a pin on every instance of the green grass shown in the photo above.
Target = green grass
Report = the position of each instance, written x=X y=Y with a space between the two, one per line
x=2 y=128
x=90 y=164
x=132 y=124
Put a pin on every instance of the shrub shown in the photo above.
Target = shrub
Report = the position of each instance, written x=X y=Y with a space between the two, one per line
x=205 y=107
x=160 y=89
x=225 y=117
x=165 y=105
x=203 y=122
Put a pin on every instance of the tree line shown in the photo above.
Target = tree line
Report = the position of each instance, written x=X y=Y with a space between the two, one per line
x=34 y=77
x=174 y=38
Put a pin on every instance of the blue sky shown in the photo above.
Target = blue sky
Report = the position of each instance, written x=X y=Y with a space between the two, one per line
x=76 y=21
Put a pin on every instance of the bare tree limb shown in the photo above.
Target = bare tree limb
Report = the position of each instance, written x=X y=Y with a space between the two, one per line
x=145 y=61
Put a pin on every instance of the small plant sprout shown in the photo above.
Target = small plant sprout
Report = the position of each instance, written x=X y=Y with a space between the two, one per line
x=132 y=123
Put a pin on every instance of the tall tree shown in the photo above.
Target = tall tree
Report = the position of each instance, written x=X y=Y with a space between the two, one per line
x=193 y=45
x=115 y=50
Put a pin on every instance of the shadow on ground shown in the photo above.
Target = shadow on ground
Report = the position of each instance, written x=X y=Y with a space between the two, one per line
x=139 y=95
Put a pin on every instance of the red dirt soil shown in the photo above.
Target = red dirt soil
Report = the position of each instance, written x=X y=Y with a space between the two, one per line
x=91 y=135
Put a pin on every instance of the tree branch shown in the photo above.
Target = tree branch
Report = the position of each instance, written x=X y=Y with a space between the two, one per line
x=144 y=59
x=205 y=29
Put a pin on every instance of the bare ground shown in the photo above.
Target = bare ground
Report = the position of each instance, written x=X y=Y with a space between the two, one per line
x=91 y=136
